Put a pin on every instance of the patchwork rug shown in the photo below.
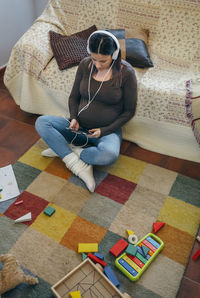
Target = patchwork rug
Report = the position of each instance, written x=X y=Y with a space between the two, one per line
x=131 y=194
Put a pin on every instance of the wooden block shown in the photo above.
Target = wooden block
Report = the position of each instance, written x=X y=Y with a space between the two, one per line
x=75 y=294
x=98 y=255
x=141 y=251
x=111 y=275
x=145 y=249
x=84 y=256
x=49 y=211
x=118 y=247
x=131 y=250
x=157 y=226
x=87 y=247
x=133 y=239
x=196 y=255
x=96 y=260
x=150 y=251
x=129 y=232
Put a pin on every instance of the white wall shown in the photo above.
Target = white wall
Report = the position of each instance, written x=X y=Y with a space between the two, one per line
x=16 y=17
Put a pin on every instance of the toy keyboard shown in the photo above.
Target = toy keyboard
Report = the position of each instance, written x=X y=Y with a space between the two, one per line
x=147 y=250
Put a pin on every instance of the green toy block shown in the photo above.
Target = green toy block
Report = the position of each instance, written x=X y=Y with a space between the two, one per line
x=84 y=256
x=49 y=211
x=131 y=250
x=145 y=249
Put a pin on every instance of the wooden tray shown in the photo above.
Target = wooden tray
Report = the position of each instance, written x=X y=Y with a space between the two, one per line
x=89 y=279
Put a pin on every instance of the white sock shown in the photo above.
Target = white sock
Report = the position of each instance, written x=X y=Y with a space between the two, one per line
x=49 y=153
x=80 y=169
x=76 y=149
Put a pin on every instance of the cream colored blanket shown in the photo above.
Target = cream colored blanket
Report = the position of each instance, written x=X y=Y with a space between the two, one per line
x=193 y=106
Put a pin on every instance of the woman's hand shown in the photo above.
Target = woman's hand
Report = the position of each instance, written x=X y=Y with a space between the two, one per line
x=74 y=125
x=94 y=133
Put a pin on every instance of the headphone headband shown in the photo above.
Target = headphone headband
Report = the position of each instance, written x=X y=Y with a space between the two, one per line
x=116 y=52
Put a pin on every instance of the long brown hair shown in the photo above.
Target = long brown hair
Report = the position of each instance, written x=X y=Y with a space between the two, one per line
x=101 y=43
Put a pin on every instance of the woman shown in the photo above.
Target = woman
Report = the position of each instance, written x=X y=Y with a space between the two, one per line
x=103 y=98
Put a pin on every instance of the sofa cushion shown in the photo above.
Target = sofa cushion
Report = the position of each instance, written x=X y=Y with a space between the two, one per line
x=70 y=50
x=133 y=45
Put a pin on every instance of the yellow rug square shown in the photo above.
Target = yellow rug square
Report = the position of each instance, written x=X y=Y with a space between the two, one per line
x=127 y=168
x=54 y=226
x=33 y=158
x=178 y=214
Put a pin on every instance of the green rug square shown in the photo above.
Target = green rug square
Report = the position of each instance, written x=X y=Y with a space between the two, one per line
x=100 y=210
x=9 y=232
x=186 y=189
x=109 y=240
x=25 y=174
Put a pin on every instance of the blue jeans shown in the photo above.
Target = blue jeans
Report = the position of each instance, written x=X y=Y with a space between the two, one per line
x=97 y=151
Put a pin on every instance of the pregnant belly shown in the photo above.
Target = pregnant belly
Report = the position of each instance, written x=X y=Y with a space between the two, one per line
x=96 y=117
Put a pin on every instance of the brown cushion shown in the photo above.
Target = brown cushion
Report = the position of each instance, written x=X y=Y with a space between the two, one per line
x=70 y=50
x=133 y=45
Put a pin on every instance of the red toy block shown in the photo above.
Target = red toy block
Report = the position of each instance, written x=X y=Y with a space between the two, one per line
x=157 y=226
x=118 y=247
x=96 y=260
x=196 y=255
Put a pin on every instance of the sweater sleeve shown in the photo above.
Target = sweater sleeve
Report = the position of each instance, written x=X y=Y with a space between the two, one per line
x=74 y=98
x=129 y=89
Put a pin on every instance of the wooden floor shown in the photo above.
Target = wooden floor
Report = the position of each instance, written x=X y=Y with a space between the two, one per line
x=17 y=134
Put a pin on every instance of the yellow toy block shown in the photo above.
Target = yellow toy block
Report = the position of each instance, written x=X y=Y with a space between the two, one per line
x=87 y=247
x=76 y=294
x=129 y=232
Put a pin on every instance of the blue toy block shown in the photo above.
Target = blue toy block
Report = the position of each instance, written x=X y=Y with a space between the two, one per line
x=98 y=255
x=111 y=276
x=49 y=211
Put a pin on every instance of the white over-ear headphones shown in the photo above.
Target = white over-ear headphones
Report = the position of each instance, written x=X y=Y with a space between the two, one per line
x=116 y=52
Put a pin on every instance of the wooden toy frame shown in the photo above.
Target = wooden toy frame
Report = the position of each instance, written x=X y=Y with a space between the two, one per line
x=87 y=278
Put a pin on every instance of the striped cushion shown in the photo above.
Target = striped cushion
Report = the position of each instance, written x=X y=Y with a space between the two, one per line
x=133 y=45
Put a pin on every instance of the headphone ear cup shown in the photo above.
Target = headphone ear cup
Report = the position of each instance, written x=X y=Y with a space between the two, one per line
x=115 y=54
x=88 y=49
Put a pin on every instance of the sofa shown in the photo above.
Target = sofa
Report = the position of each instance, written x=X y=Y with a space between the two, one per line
x=161 y=123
